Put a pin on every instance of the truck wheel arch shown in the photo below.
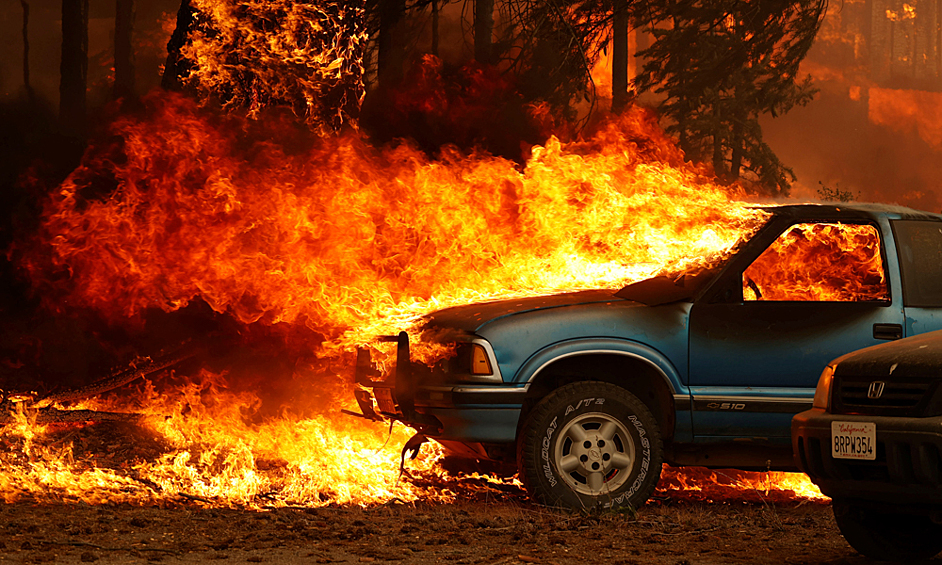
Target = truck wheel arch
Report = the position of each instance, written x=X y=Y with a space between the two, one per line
x=632 y=371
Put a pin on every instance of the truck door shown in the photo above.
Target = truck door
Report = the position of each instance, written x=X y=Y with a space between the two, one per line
x=817 y=292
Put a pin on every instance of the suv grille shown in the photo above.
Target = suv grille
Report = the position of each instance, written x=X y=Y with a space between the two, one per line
x=899 y=398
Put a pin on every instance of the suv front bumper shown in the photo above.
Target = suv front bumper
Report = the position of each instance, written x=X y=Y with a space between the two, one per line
x=907 y=469
x=468 y=413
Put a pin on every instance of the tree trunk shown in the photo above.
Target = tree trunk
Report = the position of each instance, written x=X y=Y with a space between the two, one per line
x=435 y=27
x=619 y=55
x=74 y=67
x=684 y=142
x=123 y=50
x=719 y=150
x=178 y=67
x=483 y=31
x=29 y=88
x=736 y=143
x=719 y=158
x=392 y=55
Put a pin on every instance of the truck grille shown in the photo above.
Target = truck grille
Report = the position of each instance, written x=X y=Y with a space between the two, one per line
x=898 y=398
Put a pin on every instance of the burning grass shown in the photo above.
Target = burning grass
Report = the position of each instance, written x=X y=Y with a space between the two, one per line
x=199 y=446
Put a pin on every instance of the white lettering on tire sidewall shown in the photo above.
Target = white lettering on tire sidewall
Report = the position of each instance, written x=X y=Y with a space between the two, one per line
x=643 y=440
x=547 y=442
x=645 y=463
x=545 y=452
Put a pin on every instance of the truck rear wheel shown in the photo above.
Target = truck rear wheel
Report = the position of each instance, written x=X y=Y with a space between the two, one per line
x=590 y=444
x=887 y=536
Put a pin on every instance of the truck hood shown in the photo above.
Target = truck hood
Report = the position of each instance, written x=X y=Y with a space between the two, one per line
x=918 y=356
x=471 y=317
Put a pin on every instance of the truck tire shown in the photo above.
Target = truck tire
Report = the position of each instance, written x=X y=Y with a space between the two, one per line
x=887 y=536
x=590 y=445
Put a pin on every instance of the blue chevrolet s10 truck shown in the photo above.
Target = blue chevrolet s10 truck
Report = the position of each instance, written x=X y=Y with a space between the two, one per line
x=590 y=392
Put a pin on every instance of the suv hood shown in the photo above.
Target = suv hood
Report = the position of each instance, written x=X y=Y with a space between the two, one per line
x=917 y=356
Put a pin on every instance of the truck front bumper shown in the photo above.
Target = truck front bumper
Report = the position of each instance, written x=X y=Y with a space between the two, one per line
x=907 y=469
x=468 y=413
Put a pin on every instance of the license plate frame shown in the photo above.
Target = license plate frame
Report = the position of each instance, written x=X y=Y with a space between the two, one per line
x=384 y=399
x=854 y=440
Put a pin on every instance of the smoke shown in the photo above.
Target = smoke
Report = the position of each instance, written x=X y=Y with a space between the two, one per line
x=836 y=141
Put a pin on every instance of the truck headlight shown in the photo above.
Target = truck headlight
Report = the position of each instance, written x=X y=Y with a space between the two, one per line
x=823 y=391
x=480 y=364
x=474 y=361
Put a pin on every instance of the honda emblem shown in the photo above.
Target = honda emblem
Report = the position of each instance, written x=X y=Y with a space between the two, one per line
x=876 y=390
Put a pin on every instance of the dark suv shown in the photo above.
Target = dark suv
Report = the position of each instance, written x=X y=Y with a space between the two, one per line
x=873 y=443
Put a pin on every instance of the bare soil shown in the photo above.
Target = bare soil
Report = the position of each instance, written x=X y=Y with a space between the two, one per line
x=509 y=530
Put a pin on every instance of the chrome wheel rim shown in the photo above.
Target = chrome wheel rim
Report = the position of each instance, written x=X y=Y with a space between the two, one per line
x=594 y=454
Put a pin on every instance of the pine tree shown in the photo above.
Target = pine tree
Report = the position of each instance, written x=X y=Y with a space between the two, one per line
x=720 y=64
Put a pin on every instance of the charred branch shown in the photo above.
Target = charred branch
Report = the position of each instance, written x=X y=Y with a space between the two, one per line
x=435 y=16
x=139 y=368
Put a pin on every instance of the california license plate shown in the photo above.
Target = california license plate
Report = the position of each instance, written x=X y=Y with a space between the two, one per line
x=854 y=440
x=385 y=400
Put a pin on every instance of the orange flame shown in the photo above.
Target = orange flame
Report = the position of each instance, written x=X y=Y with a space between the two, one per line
x=257 y=53
x=705 y=485
x=214 y=454
x=350 y=241
x=819 y=262
x=354 y=242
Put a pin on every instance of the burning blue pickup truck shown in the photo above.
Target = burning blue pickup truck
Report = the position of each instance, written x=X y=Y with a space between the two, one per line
x=590 y=392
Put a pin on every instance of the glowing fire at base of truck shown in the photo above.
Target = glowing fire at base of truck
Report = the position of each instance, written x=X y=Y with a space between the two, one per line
x=196 y=445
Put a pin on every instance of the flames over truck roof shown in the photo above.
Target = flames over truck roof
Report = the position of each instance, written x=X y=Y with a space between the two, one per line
x=660 y=289
x=703 y=367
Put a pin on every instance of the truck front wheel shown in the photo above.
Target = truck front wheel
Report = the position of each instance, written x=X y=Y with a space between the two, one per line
x=590 y=444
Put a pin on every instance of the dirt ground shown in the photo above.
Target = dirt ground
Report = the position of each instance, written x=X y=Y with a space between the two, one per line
x=510 y=530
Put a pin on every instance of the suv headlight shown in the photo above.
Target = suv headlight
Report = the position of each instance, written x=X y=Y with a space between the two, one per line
x=823 y=391
x=474 y=361
x=480 y=362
